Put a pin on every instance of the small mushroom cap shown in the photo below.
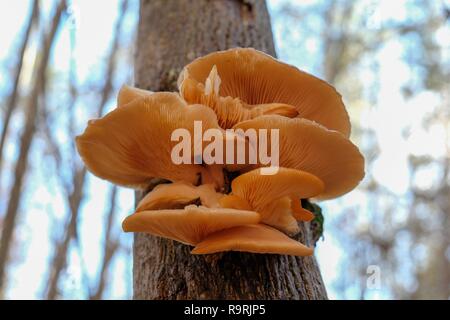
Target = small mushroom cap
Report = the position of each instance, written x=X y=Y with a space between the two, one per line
x=128 y=94
x=189 y=225
x=308 y=146
x=260 y=189
x=270 y=195
x=177 y=195
x=279 y=213
x=257 y=238
x=130 y=146
x=256 y=78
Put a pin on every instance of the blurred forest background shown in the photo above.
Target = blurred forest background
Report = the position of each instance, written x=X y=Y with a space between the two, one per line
x=62 y=63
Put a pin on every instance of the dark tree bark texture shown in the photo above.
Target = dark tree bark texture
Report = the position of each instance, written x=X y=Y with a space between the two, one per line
x=171 y=34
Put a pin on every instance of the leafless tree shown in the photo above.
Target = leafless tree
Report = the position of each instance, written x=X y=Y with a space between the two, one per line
x=31 y=111
x=110 y=247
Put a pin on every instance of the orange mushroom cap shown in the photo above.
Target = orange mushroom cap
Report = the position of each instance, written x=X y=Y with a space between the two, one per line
x=261 y=189
x=270 y=195
x=128 y=94
x=229 y=110
x=189 y=225
x=234 y=202
x=255 y=78
x=255 y=238
x=308 y=146
x=174 y=195
x=279 y=214
x=130 y=146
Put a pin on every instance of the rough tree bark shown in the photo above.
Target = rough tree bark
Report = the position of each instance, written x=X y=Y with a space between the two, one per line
x=171 y=33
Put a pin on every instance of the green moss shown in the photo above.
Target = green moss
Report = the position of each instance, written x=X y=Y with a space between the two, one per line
x=318 y=221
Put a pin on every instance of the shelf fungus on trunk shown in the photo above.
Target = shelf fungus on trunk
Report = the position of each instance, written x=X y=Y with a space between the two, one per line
x=193 y=215
x=271 y=195
x=254 y=83
x=179 y=194
x=197 y=200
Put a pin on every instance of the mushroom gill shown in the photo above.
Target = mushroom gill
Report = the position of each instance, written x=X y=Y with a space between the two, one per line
x=270 y=195
x=255 y=238
x=250 y=79
x=229 y=110
x=127 y=94
x=177 y=195
x=308 y=146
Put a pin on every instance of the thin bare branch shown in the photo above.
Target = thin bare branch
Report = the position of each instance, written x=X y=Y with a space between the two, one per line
x=110 y=247
x=12 y=99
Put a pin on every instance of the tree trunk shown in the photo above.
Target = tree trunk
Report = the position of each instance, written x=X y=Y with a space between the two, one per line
x=171 y=34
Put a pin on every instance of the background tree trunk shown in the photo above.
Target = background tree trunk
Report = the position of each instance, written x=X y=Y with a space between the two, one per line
x=14 y=97
x=74 y=190
x=171 y=34
x=26 y=139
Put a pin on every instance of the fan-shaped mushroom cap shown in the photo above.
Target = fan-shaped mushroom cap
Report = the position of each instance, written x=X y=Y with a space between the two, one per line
x=130 y=146
x=270 y=195
x=261 y=189
x=189 y=225
x=128 y=94
x=177 y=195
x=256 y=78
x=257 y=238
x=308 y=146
x=229 y=110
x=282 y=213
x=278 y=214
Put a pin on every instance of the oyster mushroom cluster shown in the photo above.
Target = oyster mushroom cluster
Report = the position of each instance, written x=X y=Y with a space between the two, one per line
x=197 y=203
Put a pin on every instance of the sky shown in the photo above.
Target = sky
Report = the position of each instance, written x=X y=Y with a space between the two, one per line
x=92 y=39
